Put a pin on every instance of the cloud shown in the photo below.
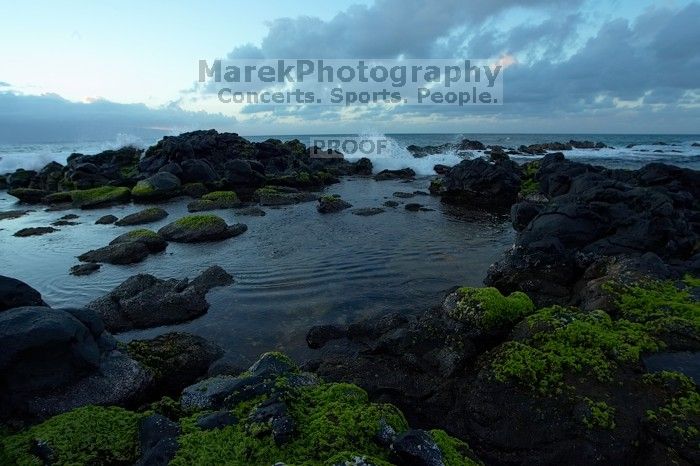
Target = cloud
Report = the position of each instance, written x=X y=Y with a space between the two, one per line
x=51 y=118
x=622 y=68
x=386 y=29
x=4 y=84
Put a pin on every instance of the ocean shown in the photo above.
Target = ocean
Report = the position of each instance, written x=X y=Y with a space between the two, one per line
x=647 y=148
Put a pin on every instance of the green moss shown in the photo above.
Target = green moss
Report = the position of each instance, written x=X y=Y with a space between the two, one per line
x=268 y=191
x=571 y=342
x=101 y=195
x=528 y=184
x=143 y=233
x=680 y=413
x=197 y=222
x=89 y=435
x=330 y=418
x=303 y=178
x=693 y=282
x=454 y=451
x=658 y=304
x=221 y=196
x=143 y=189
x=488 y=308
x=329 y=198
x=600 y=415
x=167 y=407
x=58 y=198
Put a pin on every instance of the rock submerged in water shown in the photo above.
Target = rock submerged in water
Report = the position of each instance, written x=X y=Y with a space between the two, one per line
x=215 y=200
x=367 y=211
x=144 y=301
x=149 y=215
x=331 y=204
x=117 y=254
x=200 y=228
x=402 y=174
x=280 y=195
x=84 y=269
x=152 y=240
x=106 y=220
x=34 y=231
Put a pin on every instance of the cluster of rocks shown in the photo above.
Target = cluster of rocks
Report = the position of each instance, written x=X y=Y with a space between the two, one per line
x=592 y=213
x=189 y=164
x=63 y=366
x=466 y=146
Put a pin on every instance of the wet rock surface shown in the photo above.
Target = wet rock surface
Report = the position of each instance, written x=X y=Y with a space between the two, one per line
x=144 y=301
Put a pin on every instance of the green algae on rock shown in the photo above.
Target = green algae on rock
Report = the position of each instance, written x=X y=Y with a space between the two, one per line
x=99 y=197
x=200 y=228
x=88 y=435
x=488 y=309
x=567 y=340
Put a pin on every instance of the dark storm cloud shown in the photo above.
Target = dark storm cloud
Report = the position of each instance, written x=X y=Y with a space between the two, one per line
x=49 y=118
x=653 y=59
x=384 y=30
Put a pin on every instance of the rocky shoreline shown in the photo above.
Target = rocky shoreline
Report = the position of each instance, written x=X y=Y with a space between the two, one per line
x=547 y=364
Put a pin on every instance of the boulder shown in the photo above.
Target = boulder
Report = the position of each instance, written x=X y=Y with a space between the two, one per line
x=28 y=195
x=162 y=185
x=367 y=211
x=175 y=360
x=15 y=293
x=200 y=228
x=280 y=195
x=144 y=301
x=34 y=231
x=152 y=240
x=84 y=269
x=215 y=200
x=480 y=184
x=402 y=174
x=330 y=204
x=122 y=253
x=152 y=214
x=106 y=220
x=56 y=360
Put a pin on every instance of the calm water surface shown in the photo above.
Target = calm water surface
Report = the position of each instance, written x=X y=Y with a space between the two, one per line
x=293 y=268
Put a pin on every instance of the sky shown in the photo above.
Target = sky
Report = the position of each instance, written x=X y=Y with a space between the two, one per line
x=85 y=69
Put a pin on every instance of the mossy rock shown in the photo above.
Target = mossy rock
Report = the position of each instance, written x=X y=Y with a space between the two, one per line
x=90 y=435
x=62 y=197
x=152 y=214
x=278 y=195
x=162 y=185
x=667 y=309
x=199 y=228
x=215 y=200
x=28 y=195
x=488 y=309
x=100 y=197
x=564 y=341
x=529 y=185
x=334 y=422
x=149 y=238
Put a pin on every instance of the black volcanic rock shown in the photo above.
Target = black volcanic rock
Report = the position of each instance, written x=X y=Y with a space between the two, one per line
x=479 y=183
x=15 y=293
x=144 y=301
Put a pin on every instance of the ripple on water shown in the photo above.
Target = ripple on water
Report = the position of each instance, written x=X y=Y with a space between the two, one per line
x=294 y=268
